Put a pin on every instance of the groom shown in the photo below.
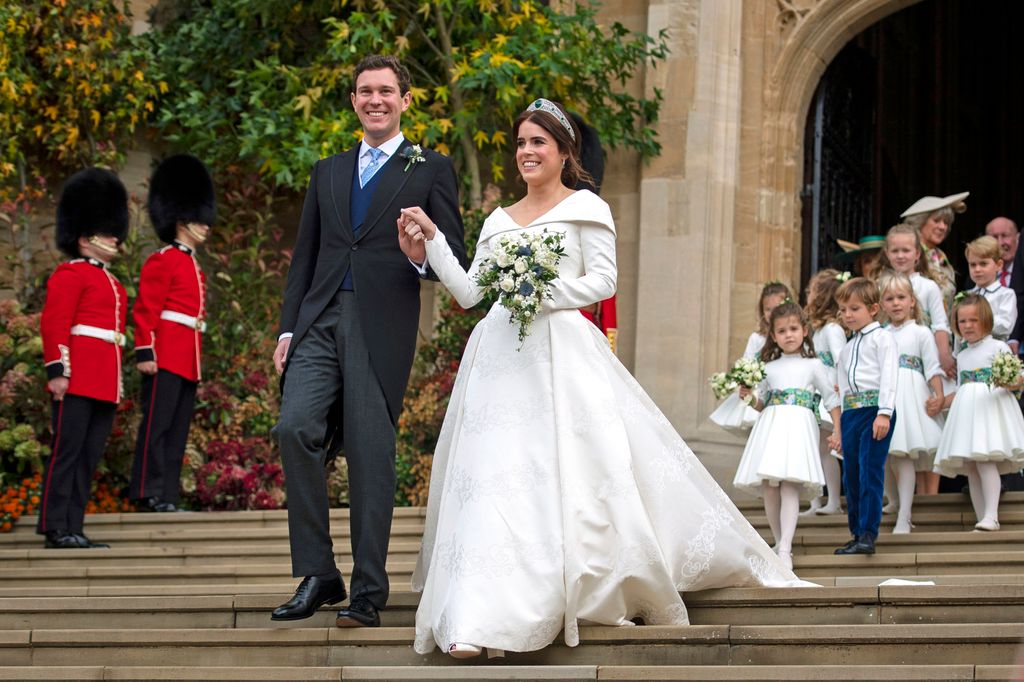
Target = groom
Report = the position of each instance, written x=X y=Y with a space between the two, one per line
x=348 y=333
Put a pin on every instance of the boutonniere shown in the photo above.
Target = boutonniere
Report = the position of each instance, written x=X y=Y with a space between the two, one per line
x=843 y=277
x=412 y=154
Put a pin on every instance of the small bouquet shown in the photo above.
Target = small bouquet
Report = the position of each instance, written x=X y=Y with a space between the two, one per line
x=519 y=271
x=1006 y=370
x=748 y=372
x=722 y=384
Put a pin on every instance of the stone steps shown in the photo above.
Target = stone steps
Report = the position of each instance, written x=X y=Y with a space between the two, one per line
x=103 y=567
x=838 y=673
x=943 y=644
x=751 y=606
x=197 y=588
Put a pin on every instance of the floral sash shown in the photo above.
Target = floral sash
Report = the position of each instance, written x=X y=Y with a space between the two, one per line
x=793 y=396
x=855 y=401
x=912 y=362
x=980 y=376
x=826 y=358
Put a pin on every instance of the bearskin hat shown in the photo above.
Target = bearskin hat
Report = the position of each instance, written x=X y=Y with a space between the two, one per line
x=92 y=202
x=180 y=191
x=591 y=155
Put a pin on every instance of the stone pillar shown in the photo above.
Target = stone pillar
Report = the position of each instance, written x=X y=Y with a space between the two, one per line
x=688 y=196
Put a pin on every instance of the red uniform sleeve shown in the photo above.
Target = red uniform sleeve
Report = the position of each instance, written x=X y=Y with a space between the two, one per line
x=63 y=292
x=153 y=285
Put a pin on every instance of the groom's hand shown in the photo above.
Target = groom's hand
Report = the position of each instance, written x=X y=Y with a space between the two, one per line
x=280 y=353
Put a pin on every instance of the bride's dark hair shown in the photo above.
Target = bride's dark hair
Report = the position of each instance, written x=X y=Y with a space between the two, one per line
x=573 y=170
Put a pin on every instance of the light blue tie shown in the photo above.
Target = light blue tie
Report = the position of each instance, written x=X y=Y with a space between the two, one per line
x=371 y=168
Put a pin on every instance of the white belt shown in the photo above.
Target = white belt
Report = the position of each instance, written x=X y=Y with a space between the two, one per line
x=108 y=335
x=182 y=318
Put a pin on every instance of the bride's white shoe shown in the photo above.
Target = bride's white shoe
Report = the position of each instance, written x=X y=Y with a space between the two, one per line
x=462 y=650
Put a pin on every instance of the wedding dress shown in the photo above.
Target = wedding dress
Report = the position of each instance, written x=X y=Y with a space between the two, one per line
x=560 y=494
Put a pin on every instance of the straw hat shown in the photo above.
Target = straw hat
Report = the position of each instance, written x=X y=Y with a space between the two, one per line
x=871 y=242
x=932 y=204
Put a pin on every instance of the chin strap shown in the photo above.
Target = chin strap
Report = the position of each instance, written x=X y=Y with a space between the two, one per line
x=98 y=243
x=198 y=235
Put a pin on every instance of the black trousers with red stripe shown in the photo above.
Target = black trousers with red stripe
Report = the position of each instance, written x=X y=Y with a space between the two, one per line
x=167 y=404
x=80 y=430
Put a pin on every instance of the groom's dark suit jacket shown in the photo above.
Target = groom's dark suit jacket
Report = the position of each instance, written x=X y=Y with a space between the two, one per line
x=1017 y=284
x=386 y=284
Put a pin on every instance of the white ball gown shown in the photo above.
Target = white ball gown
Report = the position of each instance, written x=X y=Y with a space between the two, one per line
x=784 y=445
x=560 y=494
x=984 y=423
x=916 y=435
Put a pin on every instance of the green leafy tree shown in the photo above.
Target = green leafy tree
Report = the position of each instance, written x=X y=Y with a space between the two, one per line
x=275 y=77
x=74 y=87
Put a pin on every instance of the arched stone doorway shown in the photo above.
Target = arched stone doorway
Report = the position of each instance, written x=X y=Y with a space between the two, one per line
x=925 y=101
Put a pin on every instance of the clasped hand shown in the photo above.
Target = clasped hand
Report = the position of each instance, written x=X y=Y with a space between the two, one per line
x=414 y=228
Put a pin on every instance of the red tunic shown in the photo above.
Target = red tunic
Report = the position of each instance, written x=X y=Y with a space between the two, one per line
x=171 y=281
x=82 y=293
x=605 y=321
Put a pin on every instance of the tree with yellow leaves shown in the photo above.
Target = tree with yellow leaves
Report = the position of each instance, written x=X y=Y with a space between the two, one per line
x=74 y=87
x=273 y=78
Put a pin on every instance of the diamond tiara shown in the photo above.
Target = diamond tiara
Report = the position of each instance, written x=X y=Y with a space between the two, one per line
x=548 y=106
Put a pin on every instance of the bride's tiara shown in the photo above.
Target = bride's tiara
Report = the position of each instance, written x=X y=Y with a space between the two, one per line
x=550 y=107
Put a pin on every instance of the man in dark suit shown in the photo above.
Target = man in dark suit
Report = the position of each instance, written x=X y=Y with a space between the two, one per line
x=348 y=334
x=1005 y=232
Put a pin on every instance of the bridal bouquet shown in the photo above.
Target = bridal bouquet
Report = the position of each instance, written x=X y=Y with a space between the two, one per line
x=519 y=271
x=1006 y=370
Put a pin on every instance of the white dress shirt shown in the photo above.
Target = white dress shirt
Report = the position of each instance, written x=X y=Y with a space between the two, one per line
x=870 y=362
x=929 y=297
x=389 y=148
x=1004 y=308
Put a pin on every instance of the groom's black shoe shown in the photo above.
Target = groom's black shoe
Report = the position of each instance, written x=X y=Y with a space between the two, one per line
x=359 y=614
x=312 y=593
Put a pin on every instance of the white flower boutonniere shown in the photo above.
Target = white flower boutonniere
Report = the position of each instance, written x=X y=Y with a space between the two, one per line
x=412 y=154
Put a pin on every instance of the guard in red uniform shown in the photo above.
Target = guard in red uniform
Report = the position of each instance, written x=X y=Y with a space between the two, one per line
x=168 y=316
x=82 y=326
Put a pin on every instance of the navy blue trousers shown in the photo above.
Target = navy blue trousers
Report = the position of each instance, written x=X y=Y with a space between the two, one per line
x=864 y=469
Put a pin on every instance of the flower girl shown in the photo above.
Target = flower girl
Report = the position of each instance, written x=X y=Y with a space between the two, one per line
x=782 y=454
x=734 y=414
x=984 y=432
x=829 y=339
x=919 y=393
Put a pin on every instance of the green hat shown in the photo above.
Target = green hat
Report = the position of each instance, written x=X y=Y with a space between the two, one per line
x=871 y=242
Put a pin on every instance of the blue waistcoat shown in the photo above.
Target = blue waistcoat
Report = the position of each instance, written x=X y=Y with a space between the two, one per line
x=358 y=206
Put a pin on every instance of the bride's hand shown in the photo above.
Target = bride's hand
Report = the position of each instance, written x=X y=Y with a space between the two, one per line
x=416 y=224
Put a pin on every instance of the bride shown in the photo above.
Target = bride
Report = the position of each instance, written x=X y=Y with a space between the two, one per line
x=560 y=494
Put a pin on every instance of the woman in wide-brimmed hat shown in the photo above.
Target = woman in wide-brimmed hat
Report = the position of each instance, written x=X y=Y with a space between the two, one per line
x=933 y=218
x=864 y=255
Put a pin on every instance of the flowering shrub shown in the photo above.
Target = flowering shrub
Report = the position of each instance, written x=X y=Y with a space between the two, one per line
x=18 y=500
x=24 y=405
x=240 y=475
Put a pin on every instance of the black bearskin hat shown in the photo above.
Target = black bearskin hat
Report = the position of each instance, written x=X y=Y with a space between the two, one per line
x=180 y=191
x=591 y=155
x=92 y=202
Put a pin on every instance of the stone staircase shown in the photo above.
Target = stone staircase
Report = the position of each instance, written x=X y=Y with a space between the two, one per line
x=187 y=597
